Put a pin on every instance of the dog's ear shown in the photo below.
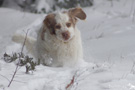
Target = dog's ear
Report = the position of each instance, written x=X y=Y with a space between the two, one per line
x=50 y=22
x=78 y=12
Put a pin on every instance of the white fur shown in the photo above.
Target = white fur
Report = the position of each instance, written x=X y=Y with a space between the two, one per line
x=52 y=51
x=61 y=54
x=62 y=19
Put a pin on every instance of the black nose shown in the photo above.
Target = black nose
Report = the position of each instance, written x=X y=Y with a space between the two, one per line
x=66 y=35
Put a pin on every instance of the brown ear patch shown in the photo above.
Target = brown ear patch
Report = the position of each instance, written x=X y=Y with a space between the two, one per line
x=78 y=12
x=50 y=22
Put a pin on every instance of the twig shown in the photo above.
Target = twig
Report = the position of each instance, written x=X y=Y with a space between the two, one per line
x=16 y=69
x=4 y=77
x=9 y=80
x=74 y=81
x=24 y=41
x=71 y=83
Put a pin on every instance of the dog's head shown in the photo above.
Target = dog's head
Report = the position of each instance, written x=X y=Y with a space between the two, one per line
x=62 y=24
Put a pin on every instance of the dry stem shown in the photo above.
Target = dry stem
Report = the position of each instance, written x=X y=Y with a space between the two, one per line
x=16 y=69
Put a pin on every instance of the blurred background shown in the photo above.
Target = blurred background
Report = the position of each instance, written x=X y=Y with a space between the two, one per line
x=44 y=6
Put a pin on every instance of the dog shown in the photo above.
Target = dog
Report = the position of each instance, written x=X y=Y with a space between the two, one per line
x=58 y=41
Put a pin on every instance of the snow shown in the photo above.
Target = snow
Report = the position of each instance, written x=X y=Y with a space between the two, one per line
x=109 y=50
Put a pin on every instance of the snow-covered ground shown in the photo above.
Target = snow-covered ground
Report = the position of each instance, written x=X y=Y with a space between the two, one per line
x=108 y=36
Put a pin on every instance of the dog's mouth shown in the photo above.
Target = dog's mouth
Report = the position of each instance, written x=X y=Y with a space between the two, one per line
x=67 y=40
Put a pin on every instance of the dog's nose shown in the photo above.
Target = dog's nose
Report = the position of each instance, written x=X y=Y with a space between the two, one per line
x=66 y=35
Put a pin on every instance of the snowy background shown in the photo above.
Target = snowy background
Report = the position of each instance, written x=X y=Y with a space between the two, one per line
x=108 y=36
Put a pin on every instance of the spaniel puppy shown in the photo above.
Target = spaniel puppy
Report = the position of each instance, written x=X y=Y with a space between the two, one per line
x=58 y=41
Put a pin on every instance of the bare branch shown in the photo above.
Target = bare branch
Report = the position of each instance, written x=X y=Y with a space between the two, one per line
x=16 y=69
x=4 y=77
x=24 y=41
x=71 y=83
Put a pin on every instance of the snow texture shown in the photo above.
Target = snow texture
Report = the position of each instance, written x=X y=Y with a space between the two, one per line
x=109 y=50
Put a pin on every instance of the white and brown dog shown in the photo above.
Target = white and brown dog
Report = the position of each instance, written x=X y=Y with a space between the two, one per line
x=58 y=41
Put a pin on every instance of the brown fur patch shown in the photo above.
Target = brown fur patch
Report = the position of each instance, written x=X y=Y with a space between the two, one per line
x=50 y=23
x=78 y=12
x=74 y=14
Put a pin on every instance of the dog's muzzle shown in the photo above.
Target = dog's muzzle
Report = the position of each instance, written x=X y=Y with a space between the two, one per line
x=66 y=35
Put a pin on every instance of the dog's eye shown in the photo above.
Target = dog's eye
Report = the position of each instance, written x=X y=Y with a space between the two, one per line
x=57 y=26
x=68 y=24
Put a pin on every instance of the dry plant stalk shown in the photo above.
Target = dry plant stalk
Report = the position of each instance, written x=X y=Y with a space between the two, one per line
x=71 y=83
x=16 y=69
